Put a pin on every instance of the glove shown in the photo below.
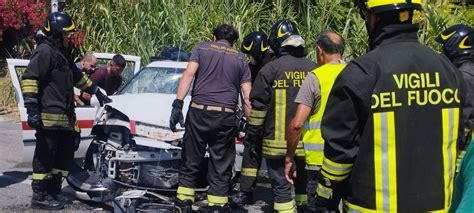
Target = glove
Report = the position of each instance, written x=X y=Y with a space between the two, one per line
x=177 y=114
x=34 y=120
x=102 y=98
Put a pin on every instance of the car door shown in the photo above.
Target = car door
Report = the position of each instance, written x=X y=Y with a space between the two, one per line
x=85 y=114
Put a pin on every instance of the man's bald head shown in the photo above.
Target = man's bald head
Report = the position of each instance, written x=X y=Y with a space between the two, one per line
x=88 y=62
x=89 y=57
x=331 y=43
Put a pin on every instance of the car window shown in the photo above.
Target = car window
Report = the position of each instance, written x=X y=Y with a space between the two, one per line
x=154 y=80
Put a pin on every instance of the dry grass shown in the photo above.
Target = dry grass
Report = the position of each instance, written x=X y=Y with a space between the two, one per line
x=8 y=105
x=7 y=95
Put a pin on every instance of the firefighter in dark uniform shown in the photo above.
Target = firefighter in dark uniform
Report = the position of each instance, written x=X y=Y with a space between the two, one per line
x=457 y=44
x=255 y=46
x=273 y=106
x=392 y=121
x=219 y=72
x=48 y=91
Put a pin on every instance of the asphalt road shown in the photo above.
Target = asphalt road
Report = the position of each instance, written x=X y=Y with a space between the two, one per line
x=15 y=178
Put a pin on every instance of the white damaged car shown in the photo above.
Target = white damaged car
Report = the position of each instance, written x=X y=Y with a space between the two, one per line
x=130 y=154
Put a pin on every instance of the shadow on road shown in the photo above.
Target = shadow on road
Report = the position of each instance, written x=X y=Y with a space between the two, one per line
x=13 y=177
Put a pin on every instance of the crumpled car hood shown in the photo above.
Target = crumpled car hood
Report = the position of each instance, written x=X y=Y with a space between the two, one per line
x=150 y=108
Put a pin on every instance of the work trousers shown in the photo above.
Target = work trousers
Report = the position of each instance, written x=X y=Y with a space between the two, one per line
x=250 y=166
x=54 y=153
x=215 y=130
x=311 y=188
x=282 y=189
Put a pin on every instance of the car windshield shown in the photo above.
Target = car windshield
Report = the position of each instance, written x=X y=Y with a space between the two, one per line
x=154 y=80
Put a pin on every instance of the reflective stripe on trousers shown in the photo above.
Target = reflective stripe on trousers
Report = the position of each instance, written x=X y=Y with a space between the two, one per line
x=185 y=193
x=288 y=207
x=249 y=172
x=217 y=200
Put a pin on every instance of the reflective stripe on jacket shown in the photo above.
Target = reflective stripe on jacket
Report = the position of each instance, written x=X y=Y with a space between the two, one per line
x=272 y=97
x=391 y=127
x=48 y=86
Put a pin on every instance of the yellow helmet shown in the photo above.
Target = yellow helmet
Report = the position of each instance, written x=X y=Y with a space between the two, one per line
x=381 y=6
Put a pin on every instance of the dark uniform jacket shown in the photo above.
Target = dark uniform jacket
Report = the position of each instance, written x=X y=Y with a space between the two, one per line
x=272 y=98
x=48 y=86
x=255 y=68
x=467 y=69
x=391 y=126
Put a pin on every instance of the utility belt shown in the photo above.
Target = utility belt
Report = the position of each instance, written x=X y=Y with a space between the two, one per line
x=211 y=108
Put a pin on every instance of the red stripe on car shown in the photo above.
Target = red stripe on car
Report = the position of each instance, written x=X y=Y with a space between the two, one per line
x=132 y=127
x=83 y=124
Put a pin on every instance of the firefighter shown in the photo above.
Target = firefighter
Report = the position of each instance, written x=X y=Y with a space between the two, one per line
x=311 y=101
x=48 y=91
x=391 y=121
x=457 y=44
x=255 y=46
x=272 y=97
x=220 y=72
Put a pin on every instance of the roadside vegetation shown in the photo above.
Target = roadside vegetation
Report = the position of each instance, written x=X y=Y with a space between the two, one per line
x=144 y=27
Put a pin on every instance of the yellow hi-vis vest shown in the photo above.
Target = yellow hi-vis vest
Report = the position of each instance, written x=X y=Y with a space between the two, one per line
x=312 y=140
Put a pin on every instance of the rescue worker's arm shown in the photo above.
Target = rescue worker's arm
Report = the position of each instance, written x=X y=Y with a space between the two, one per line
x=83 y=83
x=40 y=63
x=307 y=100
x=260 y=98
x=78 y=100
x=186 y=80
x=183 y=88
x=294 y=132
x=346 y=111
x=246 y=87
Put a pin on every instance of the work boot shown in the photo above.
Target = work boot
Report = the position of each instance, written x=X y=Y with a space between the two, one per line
x=55 y=189
x=241 y=199
x=183 y=206
x=302 y=209
x=41 y=199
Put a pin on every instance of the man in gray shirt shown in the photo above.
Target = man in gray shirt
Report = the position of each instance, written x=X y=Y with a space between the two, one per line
x=220 y=72
x=311 y=101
